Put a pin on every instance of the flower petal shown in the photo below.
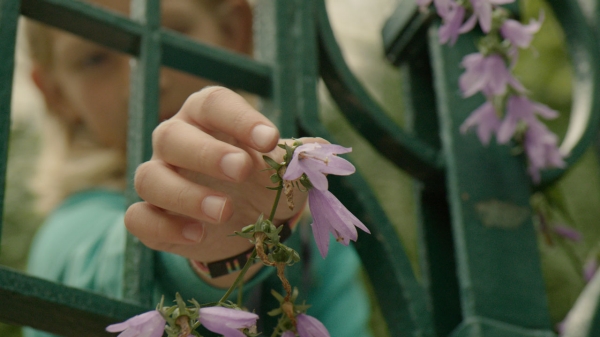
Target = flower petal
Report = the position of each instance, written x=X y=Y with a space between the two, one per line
x=320 y=228
x=309 y=326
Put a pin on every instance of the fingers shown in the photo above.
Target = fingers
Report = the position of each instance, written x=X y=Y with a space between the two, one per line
x=160 y=230
x=183 y=145
x=164 y=188
x=220 y=110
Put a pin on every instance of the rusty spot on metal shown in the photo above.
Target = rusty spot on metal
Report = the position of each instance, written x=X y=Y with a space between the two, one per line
x=500 y=214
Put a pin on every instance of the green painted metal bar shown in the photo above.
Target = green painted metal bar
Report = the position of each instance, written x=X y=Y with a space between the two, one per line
x=407 y=152
x=9 y=16
x=277 y=42
x=143 y=117
x=216 y=64
x=498 y=265
x=58 y=309
x=120 y=33
x=403 y=31
x=284 y=36
x=436 y=249
x=88 y=21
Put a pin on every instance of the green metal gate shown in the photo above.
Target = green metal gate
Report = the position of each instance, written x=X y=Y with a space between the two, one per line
x=468 y=261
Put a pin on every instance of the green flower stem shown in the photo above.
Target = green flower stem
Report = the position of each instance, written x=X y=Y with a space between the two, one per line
x=272 y=215
x=240 y=277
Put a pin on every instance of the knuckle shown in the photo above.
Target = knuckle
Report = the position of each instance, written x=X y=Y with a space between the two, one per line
x=140 y=181
x=132 y=215
x=162 y=133
x=209 y=97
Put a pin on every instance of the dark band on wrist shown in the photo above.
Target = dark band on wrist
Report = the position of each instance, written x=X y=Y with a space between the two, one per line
x=232 y=264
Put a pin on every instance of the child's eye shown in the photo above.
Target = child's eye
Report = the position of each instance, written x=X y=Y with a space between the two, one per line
x=95 y=59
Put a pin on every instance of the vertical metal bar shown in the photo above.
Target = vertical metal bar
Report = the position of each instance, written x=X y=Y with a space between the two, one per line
x=278 y=30
x=499 y=273
x=9 y=16
x=436 y=250
x=143 y=118
x=286 y=40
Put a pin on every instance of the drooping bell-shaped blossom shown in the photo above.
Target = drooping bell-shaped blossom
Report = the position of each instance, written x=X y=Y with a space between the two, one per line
x=309 y=326
x=567 y=232
x=482 y=10
x=452 y=22
x=518 y=34
x=521 y=109
x=148 y=324
x=485 y=119
x=330 y=216
x=441 y=6
x=488 y=74
x=316 y=160
x=226 y=321
x=541 y=149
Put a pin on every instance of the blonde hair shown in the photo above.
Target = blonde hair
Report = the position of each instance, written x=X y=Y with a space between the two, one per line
x=70 y=159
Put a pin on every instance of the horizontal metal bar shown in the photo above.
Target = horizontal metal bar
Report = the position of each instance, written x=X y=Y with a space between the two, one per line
x=88 y=21
x=59 y=309
x=216 y=64
x=122 y=34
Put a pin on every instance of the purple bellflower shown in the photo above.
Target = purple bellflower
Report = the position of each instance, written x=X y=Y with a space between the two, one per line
x=441 y=6
x=521 y=109
x=316 y=160
x=482 y=10
x=452 y=25
x=309 y=326
x=541 y=149
x=487 y=74
x=518 y=34
x=148 y=324
x=485 y=119
x=567 y=232
x=226 y=321
x=329 y=215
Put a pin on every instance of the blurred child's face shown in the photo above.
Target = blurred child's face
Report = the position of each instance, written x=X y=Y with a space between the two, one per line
x=90 y=84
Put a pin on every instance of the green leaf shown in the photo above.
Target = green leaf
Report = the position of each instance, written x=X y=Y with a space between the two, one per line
x=271 y=162
x=275 y=178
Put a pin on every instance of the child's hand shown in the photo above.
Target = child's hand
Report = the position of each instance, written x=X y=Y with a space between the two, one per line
x=206 y=178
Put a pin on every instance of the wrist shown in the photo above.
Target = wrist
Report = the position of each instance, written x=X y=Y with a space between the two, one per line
x=233 y=264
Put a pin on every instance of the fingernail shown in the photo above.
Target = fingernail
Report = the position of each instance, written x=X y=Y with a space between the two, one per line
x=232 y=165
x=193 y=232
x=263 y=135
x=213 y=207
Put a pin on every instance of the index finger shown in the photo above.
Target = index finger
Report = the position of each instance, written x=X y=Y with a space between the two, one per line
x=218 y=109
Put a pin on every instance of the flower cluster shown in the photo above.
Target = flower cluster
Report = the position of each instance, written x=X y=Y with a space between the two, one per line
x=507 y=113
x=303 y=165
x=181 y=321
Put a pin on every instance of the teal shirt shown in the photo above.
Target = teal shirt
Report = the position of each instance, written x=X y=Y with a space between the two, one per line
x=82 y=244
